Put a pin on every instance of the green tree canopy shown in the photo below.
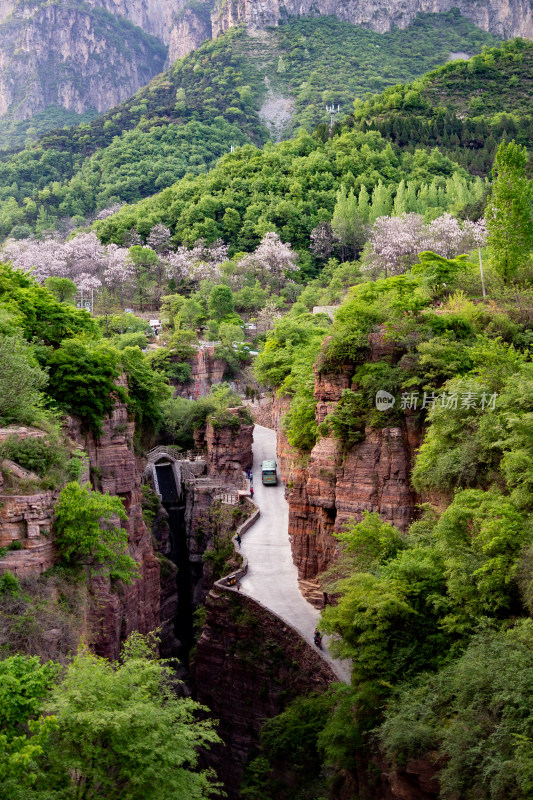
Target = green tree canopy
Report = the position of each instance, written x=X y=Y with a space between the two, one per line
x=220 y=302
x=63 y=289
x=509 y=211
x=87 y=532
x=21 y=380
x=82 y=380
x=123 y=732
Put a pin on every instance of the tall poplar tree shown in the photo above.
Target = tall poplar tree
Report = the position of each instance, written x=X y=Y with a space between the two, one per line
x=509 y=211
x=347 y=224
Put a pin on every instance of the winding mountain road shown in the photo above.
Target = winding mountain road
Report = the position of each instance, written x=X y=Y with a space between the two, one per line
x=272 y=577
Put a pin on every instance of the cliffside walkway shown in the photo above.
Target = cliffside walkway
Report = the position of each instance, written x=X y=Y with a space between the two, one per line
x=272 y=578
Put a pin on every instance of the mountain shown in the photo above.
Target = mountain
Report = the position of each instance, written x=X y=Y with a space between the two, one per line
x=89 y=55
x=73 y=55
x=241 y=87
x=464 y=108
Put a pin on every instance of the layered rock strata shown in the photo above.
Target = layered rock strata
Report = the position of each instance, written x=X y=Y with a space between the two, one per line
x=506 y=19
x=206 y=370
x=114 y=615
x=25 y=522
x=229 y=448
x=77 y=57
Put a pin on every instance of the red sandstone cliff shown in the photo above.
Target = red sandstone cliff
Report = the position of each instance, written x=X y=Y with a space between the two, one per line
x=114 y=614
x=206 y=371
x=328 y=487
x=229 y=447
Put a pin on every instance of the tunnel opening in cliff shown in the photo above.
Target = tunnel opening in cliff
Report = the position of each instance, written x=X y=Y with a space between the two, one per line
x=173 y=500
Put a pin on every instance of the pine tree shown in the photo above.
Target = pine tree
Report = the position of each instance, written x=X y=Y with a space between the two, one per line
x=509 y=214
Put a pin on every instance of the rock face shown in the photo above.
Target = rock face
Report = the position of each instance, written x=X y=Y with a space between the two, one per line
x=114 y=615
x=206 y=370
x=248 y=667
x=75 y=56
x=329 y=488
x=189 y=29
x=25 y=521
x=507 y=19
x=229 y=449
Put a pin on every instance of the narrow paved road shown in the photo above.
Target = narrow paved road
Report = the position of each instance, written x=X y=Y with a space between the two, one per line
x=272 y=578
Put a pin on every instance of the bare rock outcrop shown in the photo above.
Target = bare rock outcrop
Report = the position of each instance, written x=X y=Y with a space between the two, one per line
x=229 y=447
x=78 y=57
x=25 y=522
x=506 y=19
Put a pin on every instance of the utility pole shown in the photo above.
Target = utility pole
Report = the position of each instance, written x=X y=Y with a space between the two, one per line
x=332 y=111
x=482 y=275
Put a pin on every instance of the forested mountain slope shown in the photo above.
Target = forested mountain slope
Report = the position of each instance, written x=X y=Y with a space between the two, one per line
x=58 y=58
x=291 y=188
x=464 y=108
x=160 y=134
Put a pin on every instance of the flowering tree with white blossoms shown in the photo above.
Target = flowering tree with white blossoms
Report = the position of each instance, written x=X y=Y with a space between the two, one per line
x=322 y=240
x=159 y=239
x=108 y=212
x=78 y=259
x=44 y=259
x=396 y=242
x=201 y=262
x=272 y=259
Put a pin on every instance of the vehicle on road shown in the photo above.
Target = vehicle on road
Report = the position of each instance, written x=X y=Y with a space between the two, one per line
x=268 y=473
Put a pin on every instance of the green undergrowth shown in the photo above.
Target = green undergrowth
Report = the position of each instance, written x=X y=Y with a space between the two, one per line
x=41 y=616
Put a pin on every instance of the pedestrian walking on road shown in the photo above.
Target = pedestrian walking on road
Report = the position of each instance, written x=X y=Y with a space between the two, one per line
x=238 y=540
x=251 y=491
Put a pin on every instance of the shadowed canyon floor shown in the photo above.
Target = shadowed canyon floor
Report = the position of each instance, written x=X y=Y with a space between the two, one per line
x=272 y=577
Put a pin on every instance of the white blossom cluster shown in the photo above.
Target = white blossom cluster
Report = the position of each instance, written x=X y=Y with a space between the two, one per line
x=83 y=259
x=396 y=242
x=90 y=264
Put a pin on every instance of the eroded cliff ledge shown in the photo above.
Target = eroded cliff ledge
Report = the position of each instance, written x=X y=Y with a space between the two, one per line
x=506 y=18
